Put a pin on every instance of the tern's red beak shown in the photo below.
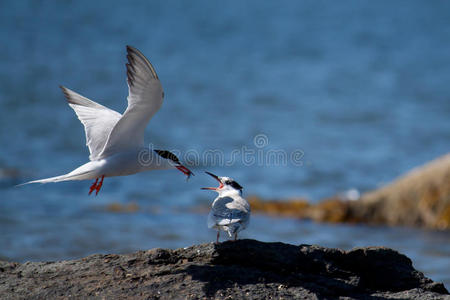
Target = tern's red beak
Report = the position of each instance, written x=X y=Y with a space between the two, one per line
x=216 y=178
x=185 y=171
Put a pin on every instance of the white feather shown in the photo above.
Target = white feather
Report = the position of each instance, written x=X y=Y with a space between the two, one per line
x=98 y=120
x=145 y=97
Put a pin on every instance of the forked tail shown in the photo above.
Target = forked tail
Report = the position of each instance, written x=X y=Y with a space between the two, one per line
x=65 y=177
x=46 y=180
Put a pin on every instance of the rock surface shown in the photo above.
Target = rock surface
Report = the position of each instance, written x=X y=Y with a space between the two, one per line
x=245 y=269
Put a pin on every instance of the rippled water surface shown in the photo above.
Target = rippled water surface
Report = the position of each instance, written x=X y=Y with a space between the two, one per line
x=360 y=91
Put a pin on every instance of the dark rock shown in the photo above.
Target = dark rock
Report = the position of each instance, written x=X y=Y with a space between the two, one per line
x=235 y=270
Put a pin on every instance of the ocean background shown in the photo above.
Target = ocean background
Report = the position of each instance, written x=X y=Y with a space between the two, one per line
x=350 y=94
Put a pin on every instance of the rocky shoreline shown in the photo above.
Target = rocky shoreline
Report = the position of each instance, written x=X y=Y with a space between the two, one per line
x=420 y=198
x=245 y=269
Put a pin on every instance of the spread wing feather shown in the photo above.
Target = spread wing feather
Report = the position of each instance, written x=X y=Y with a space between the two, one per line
x=98 y=120
x=145 y=97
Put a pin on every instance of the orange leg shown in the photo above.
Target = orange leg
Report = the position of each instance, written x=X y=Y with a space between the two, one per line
x=218 y=234
x=99 y=185
x=93 y=186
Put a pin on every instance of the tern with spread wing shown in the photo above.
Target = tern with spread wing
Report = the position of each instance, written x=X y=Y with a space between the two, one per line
x=229 y=211
x=115 y=141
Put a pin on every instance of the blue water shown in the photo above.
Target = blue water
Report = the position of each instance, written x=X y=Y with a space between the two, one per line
x=350 y=96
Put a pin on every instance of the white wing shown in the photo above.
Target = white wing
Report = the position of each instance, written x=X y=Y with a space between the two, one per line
x=145 y=97
x=226 y=211
x=98 y=120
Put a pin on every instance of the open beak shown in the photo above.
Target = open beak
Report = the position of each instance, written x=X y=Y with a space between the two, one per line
x=185 y=171
x=216 y=178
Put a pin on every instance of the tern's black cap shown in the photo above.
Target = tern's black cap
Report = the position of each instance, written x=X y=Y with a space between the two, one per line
x=233 y=184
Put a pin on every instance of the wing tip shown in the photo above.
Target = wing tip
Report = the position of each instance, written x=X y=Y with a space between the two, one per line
x=132 y=53
x=66 y=94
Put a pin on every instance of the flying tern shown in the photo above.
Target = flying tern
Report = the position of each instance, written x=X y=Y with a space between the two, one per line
x=229 y=211
x=116 y=141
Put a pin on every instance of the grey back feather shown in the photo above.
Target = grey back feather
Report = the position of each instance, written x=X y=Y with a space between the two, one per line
x=226 y=211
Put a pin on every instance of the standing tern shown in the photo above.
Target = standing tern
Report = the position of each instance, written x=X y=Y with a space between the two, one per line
x=229 y=211
x=115 y=141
